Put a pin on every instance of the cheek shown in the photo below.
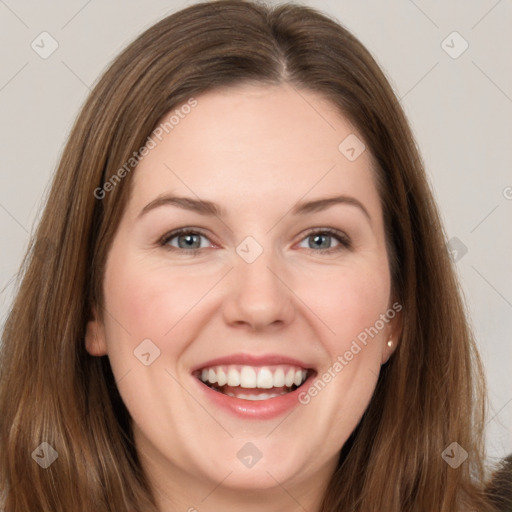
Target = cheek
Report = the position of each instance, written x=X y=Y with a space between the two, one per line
x=150 y=300
x=145 y=299
x=350 y=298
x=349 y=301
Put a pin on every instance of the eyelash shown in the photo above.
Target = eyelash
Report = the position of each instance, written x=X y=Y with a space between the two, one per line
x=344 y=241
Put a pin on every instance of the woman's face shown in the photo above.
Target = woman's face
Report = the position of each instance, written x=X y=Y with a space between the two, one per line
x=209 y=332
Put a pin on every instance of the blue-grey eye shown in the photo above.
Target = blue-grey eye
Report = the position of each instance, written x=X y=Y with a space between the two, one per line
x=321 y=240
x=186 y=240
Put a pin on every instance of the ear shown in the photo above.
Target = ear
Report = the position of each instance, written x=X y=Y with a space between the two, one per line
x=393 y=333
x=95 y=342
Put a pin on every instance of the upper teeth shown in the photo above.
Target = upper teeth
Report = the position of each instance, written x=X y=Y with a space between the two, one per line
x=264 y=377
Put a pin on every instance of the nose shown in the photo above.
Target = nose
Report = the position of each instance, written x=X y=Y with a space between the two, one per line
x=258 y=295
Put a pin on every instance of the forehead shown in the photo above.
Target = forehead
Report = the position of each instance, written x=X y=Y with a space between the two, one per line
x=253 y=142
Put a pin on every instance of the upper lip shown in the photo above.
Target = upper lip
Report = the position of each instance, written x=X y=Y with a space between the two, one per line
x=253 y=360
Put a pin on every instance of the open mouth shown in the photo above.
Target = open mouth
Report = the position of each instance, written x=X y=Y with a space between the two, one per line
x=253 y=382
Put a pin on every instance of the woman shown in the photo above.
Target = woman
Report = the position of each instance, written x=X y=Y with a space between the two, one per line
x=142 y=372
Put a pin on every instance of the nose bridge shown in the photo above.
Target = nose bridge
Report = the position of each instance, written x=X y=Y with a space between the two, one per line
x=260 y=276
x=257 y=293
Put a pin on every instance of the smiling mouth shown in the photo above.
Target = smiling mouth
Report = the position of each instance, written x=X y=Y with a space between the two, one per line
x=253 y=382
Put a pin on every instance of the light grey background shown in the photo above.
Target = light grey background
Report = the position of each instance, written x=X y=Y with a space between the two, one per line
x=460 y=110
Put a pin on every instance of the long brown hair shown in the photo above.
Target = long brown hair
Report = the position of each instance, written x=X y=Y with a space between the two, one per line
x=429 y=395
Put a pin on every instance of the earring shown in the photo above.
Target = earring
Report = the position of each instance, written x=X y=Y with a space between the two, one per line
x=390 y=343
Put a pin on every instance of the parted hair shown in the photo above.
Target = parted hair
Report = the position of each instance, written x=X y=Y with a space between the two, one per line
x=431 y=392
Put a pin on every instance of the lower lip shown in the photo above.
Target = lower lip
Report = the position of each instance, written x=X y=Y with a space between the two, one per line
x=254 y=409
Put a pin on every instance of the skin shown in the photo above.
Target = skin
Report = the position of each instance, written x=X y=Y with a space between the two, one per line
x=256 y=151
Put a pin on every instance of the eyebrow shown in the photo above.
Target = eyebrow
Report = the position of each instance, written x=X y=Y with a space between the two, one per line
x=204 y=207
